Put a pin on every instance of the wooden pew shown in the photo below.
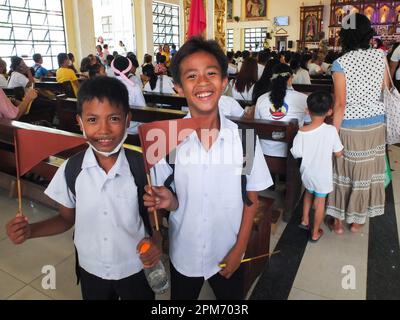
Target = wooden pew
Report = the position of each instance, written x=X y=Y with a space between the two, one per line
x=57 y=88
x=308 y=88
x=322 y=81
x=49 y=79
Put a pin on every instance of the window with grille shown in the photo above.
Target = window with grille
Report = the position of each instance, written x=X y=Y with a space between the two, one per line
x=32 y=26
x=165 y=24
x=229 y=42
x=106 y=23
x=254 y=38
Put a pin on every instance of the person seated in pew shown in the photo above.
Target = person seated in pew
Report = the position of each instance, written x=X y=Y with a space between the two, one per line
x=121 y=67
x=64 y=73
x=132 y=74
x=300 y=74
x=97 y=71
x=85 y=66
x=20 y=74
x=263 y=85
x=3 y=74
x=230 y=107
x=282 y=103
x=72 y=66
x=158 y=83
x=242 y=87
x=109 y=266
x=9 y=111
x=38 y=70
x=213 y=219
x=232 y=67
x=109 y=70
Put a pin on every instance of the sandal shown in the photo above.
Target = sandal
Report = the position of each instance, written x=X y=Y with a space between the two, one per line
x=355 y=229
x=304 y=226
x=320 y=234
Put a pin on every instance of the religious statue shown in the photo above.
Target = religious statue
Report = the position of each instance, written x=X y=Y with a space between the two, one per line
x=310 y=28
x=384 y=14
x=254 y=8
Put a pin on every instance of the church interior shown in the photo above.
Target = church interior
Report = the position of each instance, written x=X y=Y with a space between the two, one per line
x=343 y=265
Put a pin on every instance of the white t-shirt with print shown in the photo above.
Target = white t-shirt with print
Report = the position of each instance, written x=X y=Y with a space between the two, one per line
x=17 y=80
x=316 y=147
x=296 y=103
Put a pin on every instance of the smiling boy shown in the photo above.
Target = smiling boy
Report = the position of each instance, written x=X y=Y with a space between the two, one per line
x=103 y=202
x=211 y=225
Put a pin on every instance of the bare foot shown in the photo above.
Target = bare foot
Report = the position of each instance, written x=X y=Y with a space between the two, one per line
x=356 y=228
x=336 y=226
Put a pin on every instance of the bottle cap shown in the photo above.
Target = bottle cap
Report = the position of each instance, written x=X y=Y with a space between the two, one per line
x=144 y=247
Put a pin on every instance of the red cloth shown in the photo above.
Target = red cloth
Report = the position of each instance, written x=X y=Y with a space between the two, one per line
x=33 y=146
x=197 y=19
x=161 y=137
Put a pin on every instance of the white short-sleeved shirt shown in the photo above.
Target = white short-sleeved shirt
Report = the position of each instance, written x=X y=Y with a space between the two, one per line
x=3 y=81
x=136 y=97
x=108 y=226
x=167 y=85
x=260 y=70
x=245 y=95
x=296 y=103
x=301 y=77
x=396 y=58
x=232 y=69
x=136 y=80
x=205 y=227
x=230 y=107
x=17 y=80
x=316 y=147
x=314 y=69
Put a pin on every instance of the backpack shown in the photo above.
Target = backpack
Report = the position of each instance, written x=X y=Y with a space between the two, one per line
x=135 y=159
x=242 y=134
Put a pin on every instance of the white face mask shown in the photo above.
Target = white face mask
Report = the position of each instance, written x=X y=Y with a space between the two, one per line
x=106 y=154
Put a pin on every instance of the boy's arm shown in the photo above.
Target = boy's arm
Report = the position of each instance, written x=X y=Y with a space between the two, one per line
x=64 y=221
x=233 y=259
x=339 y=154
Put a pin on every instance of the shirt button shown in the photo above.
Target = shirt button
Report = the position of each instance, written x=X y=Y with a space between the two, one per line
x=105 y=213
x=105 y=239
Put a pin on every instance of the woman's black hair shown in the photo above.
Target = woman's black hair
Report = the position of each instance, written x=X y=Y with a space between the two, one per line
x=194 y=45
x=104 y=88
x=85 y=64
x=15 y=62
x=121 y=63
x=263 y=85
x=134 y=61
x=304 y=61
x=279 y=84
x=356 y=33
x=247 y=76
x=148 y=70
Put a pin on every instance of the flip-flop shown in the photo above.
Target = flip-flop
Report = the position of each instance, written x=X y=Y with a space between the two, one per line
x=304 y=226
x=320 y=233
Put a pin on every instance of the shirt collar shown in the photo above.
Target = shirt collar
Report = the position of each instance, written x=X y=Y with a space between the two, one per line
x=121 y=166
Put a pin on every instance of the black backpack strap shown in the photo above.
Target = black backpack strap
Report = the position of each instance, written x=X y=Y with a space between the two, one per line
x=136 y=165
x=248 y=159
x=73 y=169
x=168 y=182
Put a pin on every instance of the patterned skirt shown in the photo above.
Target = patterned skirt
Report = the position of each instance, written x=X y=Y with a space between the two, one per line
x=359 y=176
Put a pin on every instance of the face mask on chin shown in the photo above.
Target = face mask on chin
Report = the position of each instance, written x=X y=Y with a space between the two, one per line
x=106 y=154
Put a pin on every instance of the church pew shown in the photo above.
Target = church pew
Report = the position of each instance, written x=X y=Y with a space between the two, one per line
x=309 y=88
x=49 y=79
x=322 y=81
x=57 y=88
x=259 y=237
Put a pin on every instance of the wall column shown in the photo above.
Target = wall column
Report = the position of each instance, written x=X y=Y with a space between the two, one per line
x=79 y=28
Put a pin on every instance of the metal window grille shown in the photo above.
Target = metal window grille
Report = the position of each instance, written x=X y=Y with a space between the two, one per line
x=229 y=43
x=165 y=24
x=32 y=26
x=254 y=38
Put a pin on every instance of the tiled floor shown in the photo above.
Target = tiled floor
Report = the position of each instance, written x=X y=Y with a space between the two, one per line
x=319 y=276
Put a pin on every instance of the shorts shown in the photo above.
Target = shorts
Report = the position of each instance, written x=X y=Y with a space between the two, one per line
x=318 y=195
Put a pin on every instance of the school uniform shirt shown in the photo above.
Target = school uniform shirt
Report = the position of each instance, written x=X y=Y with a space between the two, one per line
x=232 y=69
x=167 y=85
x=245 y=95
x=295 y=105
x=136 y=80
x=230 y=107
x=3 y=81
x=110 y=72
x=108 y=226
x=67 y=74
x=260 y=70
x=316 y=147
x=396 y=58
x=314 y=69
x=17 y=80
x=136 y=97
x=301 y=77
x=205 y=227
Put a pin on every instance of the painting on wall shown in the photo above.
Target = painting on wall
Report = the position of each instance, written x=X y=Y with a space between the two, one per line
x=229 y=9
x=255 y=9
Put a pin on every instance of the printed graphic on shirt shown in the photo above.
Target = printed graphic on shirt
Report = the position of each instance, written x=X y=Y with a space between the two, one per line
x=279 y=113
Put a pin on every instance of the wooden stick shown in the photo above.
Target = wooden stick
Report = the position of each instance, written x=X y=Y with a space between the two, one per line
x=154 y=211
x=223 y=265
x=19 y=213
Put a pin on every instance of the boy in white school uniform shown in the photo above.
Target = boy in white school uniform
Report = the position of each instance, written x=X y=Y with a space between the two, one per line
x=315 y=144
x=212 y=224
x=104 y=203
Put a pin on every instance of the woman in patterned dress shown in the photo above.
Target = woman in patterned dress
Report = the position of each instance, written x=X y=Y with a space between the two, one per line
x=358 y=75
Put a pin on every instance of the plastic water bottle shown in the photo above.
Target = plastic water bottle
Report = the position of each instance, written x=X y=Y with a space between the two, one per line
x=156 y=276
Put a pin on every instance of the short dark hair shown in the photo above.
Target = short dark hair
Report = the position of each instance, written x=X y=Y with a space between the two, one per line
x=37 y=57
x=194 y=45
x=105 y=46
x=61 y=58
x=319 y=103
x=104 y=88
x=358 y=37
x=121 y=63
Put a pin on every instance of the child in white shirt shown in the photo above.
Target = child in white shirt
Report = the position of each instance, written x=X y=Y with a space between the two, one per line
x=315 y=144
